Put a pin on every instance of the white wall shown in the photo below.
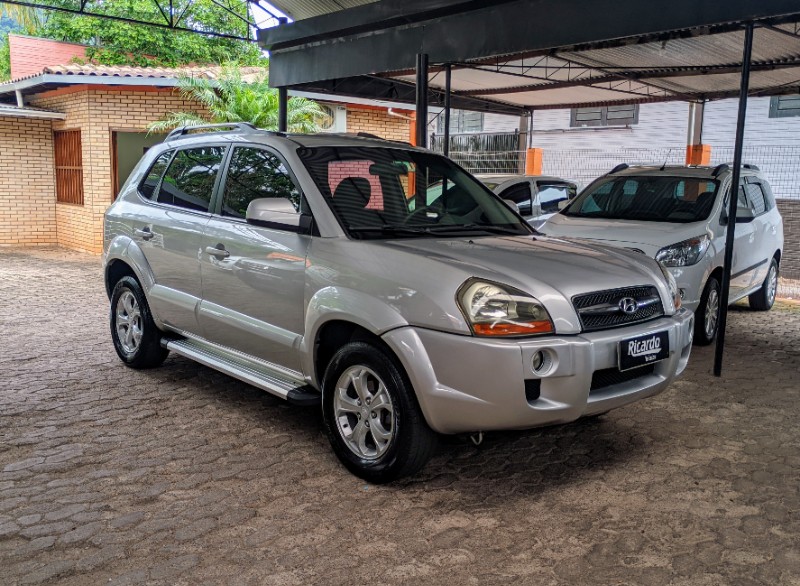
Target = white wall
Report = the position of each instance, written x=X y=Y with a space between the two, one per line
x=771 y=143
x=660 y=125
x=719 y=125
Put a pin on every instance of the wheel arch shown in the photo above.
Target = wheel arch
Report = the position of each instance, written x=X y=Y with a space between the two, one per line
x=337 y=314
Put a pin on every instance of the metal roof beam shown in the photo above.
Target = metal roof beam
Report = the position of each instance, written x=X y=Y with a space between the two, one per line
x=632 y=74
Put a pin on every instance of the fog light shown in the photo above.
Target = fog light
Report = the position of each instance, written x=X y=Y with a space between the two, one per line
x=682 y=292
x=541 y=362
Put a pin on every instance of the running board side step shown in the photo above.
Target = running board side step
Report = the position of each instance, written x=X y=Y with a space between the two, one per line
x=252 y=372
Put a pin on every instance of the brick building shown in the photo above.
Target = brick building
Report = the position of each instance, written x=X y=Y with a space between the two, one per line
x=70 y=135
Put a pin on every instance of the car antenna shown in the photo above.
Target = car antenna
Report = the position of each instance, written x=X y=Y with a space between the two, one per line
x=664 y=166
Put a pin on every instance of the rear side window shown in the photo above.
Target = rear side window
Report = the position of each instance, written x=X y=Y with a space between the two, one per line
x=252 y=174
x=550 y=194
x=150 y=183
x=189 y=181
x=757 y=198
x=520 y=194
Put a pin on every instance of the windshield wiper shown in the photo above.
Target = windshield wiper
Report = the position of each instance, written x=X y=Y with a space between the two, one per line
x=389 y=229
x=490 y=228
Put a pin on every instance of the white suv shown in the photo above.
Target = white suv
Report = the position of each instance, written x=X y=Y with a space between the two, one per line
x=678 y=216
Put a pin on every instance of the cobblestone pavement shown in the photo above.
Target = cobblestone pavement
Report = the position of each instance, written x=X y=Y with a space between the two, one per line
x=181 y=475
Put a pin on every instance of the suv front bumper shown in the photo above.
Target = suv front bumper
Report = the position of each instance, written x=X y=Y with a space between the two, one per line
x=466 y=383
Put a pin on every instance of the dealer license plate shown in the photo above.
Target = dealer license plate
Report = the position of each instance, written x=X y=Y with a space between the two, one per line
x=643 y=350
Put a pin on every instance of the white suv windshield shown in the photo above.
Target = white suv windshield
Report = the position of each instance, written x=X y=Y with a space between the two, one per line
x=647 y=198
x=385 y=192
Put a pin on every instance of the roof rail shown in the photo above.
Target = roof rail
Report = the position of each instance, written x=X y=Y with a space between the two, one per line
x=618 y=168
x=181 y=130
x=720 y=169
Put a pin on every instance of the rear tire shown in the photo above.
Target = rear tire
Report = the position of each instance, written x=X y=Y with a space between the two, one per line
x=707 y=316
x=136 y=338
x=764 y=298
x=372 y=417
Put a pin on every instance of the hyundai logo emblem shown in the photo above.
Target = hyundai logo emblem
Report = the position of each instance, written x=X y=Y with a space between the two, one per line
x=628 y=305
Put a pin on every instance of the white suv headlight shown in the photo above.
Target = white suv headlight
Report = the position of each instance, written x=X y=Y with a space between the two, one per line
x=492 y=309
x=684 y=254
x=672 y=285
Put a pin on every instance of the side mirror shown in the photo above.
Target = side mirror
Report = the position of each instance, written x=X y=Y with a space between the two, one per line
x=276 y=212
x=512 y=204
x=563 y=204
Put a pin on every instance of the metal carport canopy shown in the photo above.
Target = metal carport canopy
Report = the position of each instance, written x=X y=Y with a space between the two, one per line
x=516 y=55
x=535 y=54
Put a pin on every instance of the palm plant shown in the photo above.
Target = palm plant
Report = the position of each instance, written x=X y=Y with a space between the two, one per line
x=231 y=98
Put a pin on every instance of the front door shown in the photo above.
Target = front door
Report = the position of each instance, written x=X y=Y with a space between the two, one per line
x=254 y=274
x=170 y=233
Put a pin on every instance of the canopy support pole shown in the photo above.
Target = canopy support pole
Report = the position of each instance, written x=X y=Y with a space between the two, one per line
x=422 y=100
x=283 y=109
x=447 y=80
x=734 y=197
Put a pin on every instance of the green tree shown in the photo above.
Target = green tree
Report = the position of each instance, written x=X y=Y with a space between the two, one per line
x=115 y=43
x=231 y=98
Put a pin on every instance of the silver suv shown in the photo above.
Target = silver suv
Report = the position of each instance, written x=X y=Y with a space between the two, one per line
x=383 y=282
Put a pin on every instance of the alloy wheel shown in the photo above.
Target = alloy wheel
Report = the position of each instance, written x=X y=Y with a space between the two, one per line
x=364 y=412
x=128 y=322
x=712 y=313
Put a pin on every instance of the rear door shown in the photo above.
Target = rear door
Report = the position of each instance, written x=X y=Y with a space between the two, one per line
x=254 y=274
x=764 y=228
x=170 y=231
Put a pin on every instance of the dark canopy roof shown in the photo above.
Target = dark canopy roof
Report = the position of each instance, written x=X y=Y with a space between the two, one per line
x=513 y=55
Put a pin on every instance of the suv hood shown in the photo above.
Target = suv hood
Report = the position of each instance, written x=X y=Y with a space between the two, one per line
x=430 y=271
x=649 y=237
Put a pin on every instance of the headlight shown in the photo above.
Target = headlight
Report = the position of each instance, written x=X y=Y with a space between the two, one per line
x=497 y=310
x=683 y=254
x=672 y=284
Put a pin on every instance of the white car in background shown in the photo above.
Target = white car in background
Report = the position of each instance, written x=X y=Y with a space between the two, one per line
x=537 y=196
x=678 y=215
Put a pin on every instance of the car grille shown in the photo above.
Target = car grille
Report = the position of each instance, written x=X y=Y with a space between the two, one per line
x=602 y=310
x=609 y=377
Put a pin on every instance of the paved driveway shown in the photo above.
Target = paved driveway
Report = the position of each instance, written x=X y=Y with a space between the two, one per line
x=181 y=475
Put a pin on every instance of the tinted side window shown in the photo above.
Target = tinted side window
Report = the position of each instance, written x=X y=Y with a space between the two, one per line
x=255 y=173
x=520 y=194
x=189 y=181
x=148 y=186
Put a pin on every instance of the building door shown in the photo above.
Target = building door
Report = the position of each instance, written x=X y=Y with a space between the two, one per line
x=126 y=150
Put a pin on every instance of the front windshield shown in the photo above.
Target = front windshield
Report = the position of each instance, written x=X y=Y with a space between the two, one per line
x=386 y=192
x=646 y=198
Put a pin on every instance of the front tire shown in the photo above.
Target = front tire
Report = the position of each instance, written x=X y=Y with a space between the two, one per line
x=136 y=338
x=371 y=415
x=764 y=298
x=707 y=316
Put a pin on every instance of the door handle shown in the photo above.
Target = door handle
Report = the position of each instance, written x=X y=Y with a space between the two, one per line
x=218 y=252
x=144 y=233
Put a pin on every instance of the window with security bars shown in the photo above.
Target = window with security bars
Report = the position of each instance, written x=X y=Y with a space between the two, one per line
x=784 y=106
x=624 y=115
x=69 y=166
